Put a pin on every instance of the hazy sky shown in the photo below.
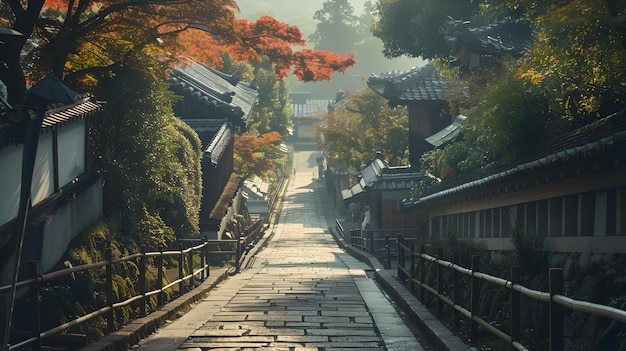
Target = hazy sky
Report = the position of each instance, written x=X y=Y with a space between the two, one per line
x=300 y=13
x=296 y=12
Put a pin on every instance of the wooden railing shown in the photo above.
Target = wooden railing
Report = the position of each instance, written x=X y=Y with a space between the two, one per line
x=193 y=268
x=377 y=242
x=415 y=274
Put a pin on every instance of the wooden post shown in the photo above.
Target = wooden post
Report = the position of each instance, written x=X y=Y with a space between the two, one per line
x=387 y=252
x=422 y=274
x=556 y=310
x=108 y=256
x=161 y=300
x=456 y=288
x=412 y=260
x=203 y=258
x=370 y=241
x=439 y=282
x=515 y=308
x=400 y=245
x=475 y=291
x=190 y=269
x=238 y=256
x=33 y=292
x=142 y=281
x=181 y=274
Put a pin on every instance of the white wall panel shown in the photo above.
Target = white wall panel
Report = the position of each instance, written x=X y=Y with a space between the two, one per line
x=10 y=174
x=71 y=152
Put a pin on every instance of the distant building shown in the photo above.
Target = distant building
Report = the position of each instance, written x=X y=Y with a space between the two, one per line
x=307 y=114
x=422 y=90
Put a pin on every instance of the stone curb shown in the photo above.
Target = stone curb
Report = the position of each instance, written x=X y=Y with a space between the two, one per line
x=441 y=338
x=140 y=328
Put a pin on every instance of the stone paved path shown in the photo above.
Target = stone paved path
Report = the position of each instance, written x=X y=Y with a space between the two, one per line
x=302 y=293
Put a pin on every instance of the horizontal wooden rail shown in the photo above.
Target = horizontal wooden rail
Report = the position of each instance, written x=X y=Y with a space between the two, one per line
x=185 y=261
x=554 y=298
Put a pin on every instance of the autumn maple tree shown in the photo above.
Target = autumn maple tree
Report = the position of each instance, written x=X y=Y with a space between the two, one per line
x=254 y=153
x=63 y=31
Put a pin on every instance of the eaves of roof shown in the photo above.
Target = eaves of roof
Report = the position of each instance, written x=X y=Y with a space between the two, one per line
x=215 y=89
x=448 y=133
x=55 y=117
x=604 y=136
x=221 y=206
x=218 y=144
x=418 y=85
x=503 y=37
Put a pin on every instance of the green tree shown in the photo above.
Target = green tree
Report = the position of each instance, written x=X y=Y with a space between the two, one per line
x=354 y=133
x=272 y=112
x=148 y=160
x=579 y=57
x=573 y=74
x=337 y=27
x=412 y=27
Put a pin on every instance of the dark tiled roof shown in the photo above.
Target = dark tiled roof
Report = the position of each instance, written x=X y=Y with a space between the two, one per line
x=55 y=116
x=311 y=108
x=605 y=136
x=417 y=85
x=218 y=145
x=64 y=114
x=504 y=37
x=205 y=125
x=378 y=176
x=223 y=94
x=448 y=133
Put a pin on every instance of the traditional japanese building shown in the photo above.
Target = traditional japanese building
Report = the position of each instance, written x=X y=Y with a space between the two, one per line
x=66 y=195
x=572 y=192
x=422 y=90
x=381 y=187
x=215 y=105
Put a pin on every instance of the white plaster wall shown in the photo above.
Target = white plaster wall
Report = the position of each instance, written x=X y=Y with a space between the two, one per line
x=68 y=222
x=10 y=173
x=43 y=174
x=71 y=146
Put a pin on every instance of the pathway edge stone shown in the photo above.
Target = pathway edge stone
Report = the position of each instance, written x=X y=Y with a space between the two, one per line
x=140 y=328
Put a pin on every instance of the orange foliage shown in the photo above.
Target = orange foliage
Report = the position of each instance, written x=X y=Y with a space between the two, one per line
x=201 y=48
x=201 y=29
x=251 y=153
x=273 y=39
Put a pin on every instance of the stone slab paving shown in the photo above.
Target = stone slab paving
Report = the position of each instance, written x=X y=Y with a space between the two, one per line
x=303 y=293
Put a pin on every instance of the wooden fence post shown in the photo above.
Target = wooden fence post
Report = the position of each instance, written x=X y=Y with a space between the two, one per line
x=181 y=273
x=370 y=241
x=515 y=308
x=387 y=252
x=456 y=288
x=33 y=292
x=238 y=256
x=142 y=281
x=556 y=310
x=400 y=246
x=108 y=256
x=475 y=291
x=190 y=269
x=422 y=264
x=412 y=260
x=439 y=282
x=161 y=296
x=203 y=259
